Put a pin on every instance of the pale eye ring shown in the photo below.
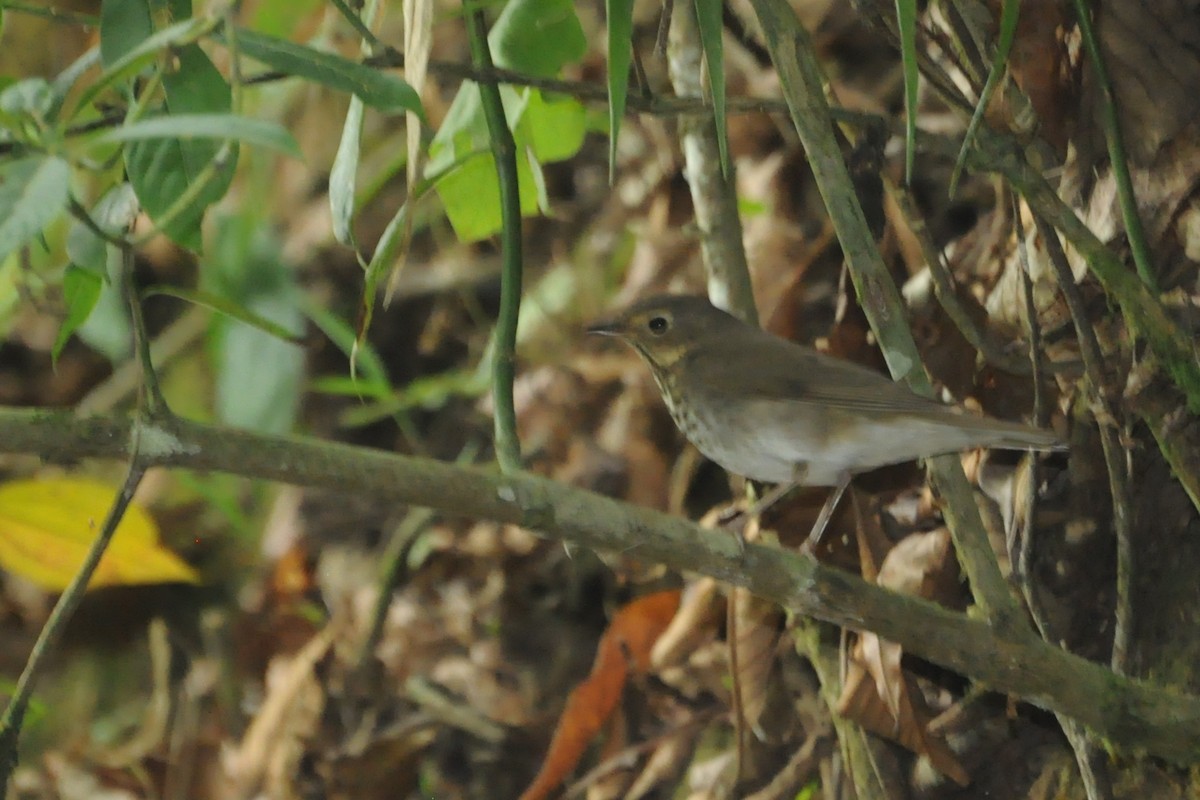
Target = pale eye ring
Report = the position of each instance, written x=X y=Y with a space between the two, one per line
x=658 y=325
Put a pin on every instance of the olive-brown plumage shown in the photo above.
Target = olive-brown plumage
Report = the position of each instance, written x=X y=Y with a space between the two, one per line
x=772 y=410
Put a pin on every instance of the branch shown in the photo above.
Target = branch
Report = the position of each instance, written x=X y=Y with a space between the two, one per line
x=1132 y=713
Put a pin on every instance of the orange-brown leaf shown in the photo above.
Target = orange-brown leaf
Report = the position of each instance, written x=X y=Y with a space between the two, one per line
x=626 y=643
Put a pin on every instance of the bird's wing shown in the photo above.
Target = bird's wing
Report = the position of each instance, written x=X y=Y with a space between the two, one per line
x=810 y=376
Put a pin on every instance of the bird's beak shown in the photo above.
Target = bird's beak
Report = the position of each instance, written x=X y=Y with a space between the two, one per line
x=606 y=327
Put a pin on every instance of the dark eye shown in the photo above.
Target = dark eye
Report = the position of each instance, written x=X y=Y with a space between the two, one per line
x=658 y=325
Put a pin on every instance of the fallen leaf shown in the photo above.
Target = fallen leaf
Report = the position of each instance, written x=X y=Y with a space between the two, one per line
x=626 y=643
x=47 y=526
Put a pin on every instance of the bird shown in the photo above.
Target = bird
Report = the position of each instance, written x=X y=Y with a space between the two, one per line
x=779 y=412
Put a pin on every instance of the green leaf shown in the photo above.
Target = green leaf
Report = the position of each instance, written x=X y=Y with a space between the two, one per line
x=124 y=24
x=181 y=35
x=906 y=17
x=429 y=392
x=1009 y=14
x=227 y=307
x=257 y=373
x=537 y=37
x=81 y=289
x=33 y=191
x=163 y=166
x=708 y=18
x=113 y=214
x=185 y=128
x=343 y=177
x=31 y=97
x=471 y=194
x=371 y=378
x=620 y=56
x=377 y=89
x=553 y=126
x=107 y=329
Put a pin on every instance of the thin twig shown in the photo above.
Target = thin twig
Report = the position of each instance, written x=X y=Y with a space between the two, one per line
x=1021 y=559
x=394 y=559
x=1118 y=478
x=1088 y=754
x=51 y=13
x=947 y=295
x=504 y=152
x=153 y=404
x=68 y=601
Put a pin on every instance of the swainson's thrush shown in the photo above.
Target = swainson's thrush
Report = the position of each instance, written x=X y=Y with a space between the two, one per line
x=775 y=411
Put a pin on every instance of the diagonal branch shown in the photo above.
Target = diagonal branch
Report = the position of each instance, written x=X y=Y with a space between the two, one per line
x=1131 y=713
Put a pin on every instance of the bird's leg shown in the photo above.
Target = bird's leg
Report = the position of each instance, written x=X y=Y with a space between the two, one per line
x=831 y=504
x=735 y=520
x=779 y=490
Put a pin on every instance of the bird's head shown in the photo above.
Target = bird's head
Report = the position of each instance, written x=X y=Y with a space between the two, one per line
x=664 y=329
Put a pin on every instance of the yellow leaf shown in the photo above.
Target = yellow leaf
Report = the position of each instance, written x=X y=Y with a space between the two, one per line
x=46 y=527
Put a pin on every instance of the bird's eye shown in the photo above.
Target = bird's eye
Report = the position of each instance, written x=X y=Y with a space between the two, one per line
x=658 y=325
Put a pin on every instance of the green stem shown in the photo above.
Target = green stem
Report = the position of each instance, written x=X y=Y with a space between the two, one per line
x=1116 y=152
x=504 y=151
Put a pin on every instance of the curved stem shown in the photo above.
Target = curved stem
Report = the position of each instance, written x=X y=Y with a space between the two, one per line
x=504 y=151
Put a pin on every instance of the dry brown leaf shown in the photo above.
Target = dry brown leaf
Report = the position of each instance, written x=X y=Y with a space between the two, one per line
x=755 y=632
x=626 y=643
x=665 y=764
x=288 y=712
x=877 y=694
x=694 y=622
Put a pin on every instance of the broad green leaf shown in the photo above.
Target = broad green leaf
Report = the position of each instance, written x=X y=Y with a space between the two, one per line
x=81 y=289
x=46 y=527
x=186 y=128
x=620 y=55
x=124 y=24
x=533 y=36
x=343 y=176
x=708 y=18
x=377 y=89
x=537 y=37
x=1009 y=15
x=471 y=195
x=163 y=170
x=280 y=17
x=906 y=17
x=33 y=192
x=553 y=125
x=258 y=374
x=231 y=309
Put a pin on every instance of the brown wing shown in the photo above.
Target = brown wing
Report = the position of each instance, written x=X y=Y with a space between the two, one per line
x=806 y=376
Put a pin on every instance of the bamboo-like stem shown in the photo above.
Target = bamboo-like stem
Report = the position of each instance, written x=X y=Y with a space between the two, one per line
x=504 y=152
